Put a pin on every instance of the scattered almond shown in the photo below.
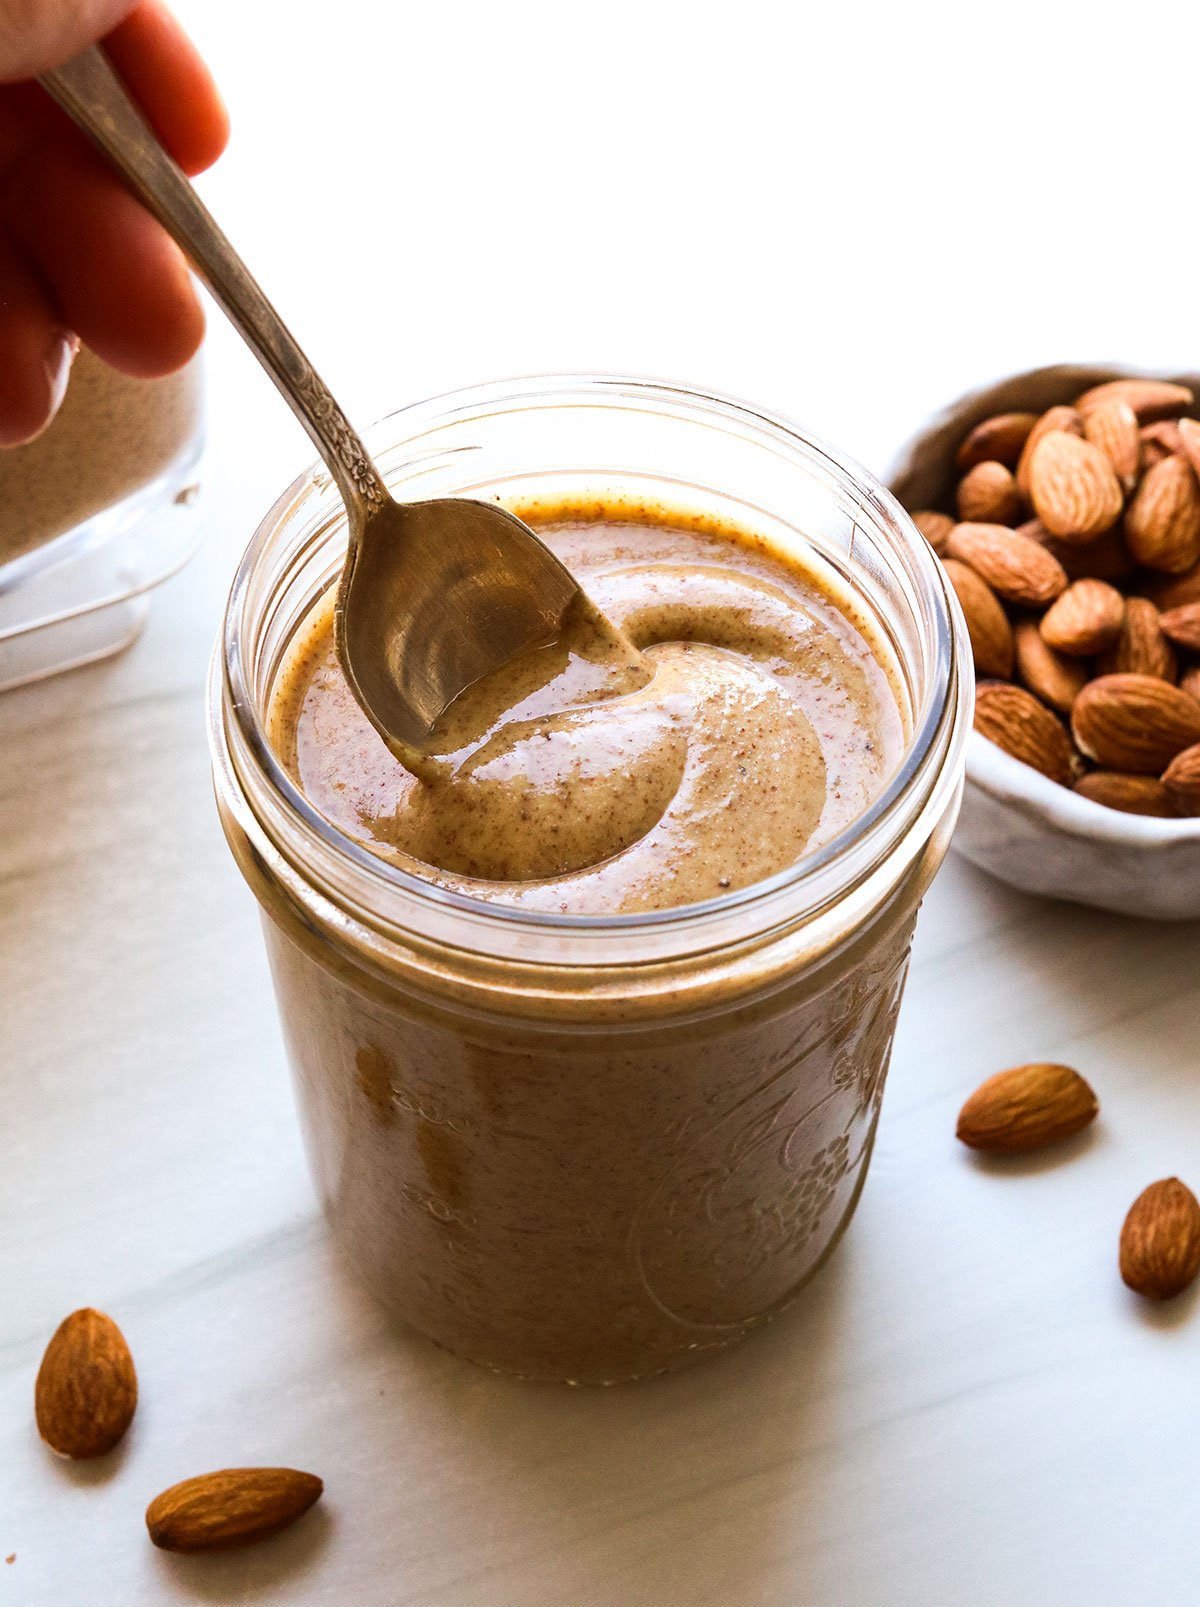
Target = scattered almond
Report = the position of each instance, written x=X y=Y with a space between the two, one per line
x=988 y=493
x=1014 y=720
x=1055 y=418
x=1133 y=795
x=1135 y=723
x=86 y=1390
x=1141 y=648
x=1162 y=524
x=1182 y=626
x=1160 y=1240
x=998 y=439
x=1014 y=567
x=935 y=527
x=1049 y=675
x=1181 y=781
x=234 y=1507
x=1026 y=1108
x=1149 y=398
x=987 y=623
x=1086 y=619
x=1073 y=488
x=1113 y=427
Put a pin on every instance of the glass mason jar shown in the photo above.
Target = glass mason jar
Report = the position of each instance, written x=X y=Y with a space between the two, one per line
x=591 y=1148
x=95 y=513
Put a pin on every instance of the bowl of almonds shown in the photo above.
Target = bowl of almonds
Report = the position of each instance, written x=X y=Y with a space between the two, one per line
x=1065 y=506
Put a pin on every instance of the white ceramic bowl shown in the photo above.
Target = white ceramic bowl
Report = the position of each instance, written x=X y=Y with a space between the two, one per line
x=1015 y=823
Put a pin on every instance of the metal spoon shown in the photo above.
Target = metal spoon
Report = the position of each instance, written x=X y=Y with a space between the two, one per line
x=434 y=595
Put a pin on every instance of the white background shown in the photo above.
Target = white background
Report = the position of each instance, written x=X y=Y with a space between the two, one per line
x=847 y=214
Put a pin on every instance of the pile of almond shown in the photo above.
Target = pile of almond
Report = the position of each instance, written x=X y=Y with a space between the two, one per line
x=1074 y=550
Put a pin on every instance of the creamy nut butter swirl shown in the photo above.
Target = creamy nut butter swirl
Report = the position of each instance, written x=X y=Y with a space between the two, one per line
x=755 y=723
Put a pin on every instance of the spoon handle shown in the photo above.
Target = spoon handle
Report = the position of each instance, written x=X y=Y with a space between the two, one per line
x=90 y=92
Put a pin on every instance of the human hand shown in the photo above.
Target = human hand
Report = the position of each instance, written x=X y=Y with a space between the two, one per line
x=80 y=259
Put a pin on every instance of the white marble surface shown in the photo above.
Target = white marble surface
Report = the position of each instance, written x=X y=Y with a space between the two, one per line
x=968 y=1407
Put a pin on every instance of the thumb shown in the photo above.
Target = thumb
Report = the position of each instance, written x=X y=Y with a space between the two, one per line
x=36 y=34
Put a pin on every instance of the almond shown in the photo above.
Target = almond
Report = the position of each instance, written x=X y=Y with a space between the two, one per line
x=1159 y=441
x=935 y=527
x=1189 y=442
x=1149 y=398
x=999 y=439
x=1026 y=1108
x=1073 y=488
x=1141 y=648
x=234 y=1507
x=1014 y=567
x=988 y=493
x=1181 y=781
x=1105 y=557
x=1134 y=722
x=1189 y=682
x=86 y=1390
x=1049 y=675
x=1182 y=626
x=1086 y=619
x=1162 y=524
x=1113 y=427
x=1170 y=591
x=987 y=623
x=1014 y=720
x=1055 y=418
x=1133 y=795
x=1160 y=1240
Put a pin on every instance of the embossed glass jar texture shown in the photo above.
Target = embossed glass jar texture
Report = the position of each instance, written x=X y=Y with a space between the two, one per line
x=592 y=1148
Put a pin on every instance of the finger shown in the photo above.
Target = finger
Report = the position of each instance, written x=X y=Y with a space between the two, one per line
x=36 y=34
x=116 y=278
x=174 y=88
x=35 y=351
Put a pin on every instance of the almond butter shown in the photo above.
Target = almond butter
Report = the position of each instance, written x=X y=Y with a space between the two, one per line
x=1073 y=488
x=1014 y=720
x=1086 y=619
x=1134 y=722
x=935 y=527
x=86 y=1391
x=1160 y=1240
x=988 y=493
x=1113 y=427
x=1133 y=795
x=1149 y=398
x=1162 y=523
x=1181 y=781
x=987 y=624
x=234 y=1507
x=1014 y=567
x=1189 y=443
x=1054 y=418
x=1049 y=675
x=1182 y=626
x=999 y=439
x=1141 y=648
x=1026 y=1108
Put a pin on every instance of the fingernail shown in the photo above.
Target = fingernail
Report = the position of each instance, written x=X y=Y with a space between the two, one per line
x=58 y=362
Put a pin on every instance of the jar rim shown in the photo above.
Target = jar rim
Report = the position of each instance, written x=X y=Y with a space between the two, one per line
x=238 y=732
